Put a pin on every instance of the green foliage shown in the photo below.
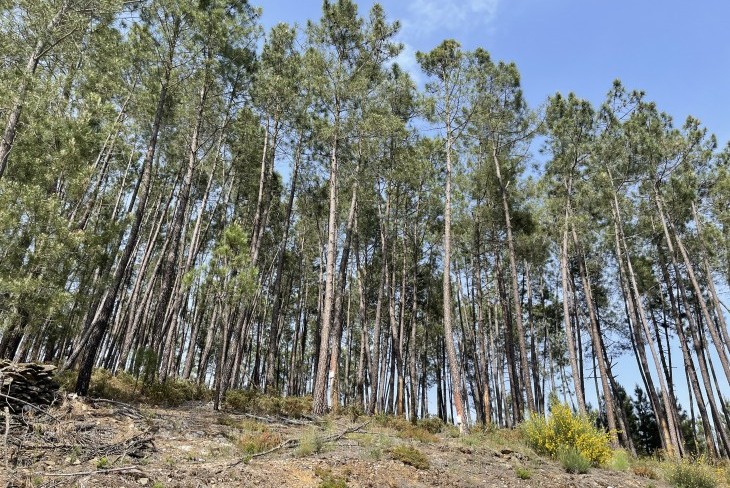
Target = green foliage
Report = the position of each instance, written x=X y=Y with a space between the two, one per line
x=126 y=388
x=688 y=474
x=432 y=424
x=411 y=456
x=310 y=443
x=256 y=442
x=329 y=480
x=523 y=473
x=565 y=429
x=619 y=460
x=573 y=461
x=405 y=429
x=102 y=463
x=254 y=402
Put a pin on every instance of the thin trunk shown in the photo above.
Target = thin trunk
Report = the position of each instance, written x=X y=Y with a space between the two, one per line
x=319 y=404
x=276 y=307
x=569 y=334
x=517 y=311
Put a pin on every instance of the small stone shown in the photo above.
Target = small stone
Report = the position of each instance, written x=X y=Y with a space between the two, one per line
x=143 y=481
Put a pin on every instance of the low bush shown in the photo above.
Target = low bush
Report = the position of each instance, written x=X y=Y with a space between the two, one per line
x=329 y=480
x=310 y=443
x=523 y=473
x=256 y=442
x=124 y=387
x=619 y=461
x=410 y=456
x=255 y=402
x=432 y=424
x=405 y=429
x=688 y=474
x=565 y=429
x=573 y=461
x=644 y=470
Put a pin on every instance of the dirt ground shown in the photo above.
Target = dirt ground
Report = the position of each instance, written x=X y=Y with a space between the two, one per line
x=108 y=444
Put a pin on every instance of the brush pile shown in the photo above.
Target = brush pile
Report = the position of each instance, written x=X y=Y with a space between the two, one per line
x=24 y=386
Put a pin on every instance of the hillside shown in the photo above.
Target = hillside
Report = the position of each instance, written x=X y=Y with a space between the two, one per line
x=113 y=444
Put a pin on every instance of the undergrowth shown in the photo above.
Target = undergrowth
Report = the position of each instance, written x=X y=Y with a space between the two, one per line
x=310 y=443
x=523 y=473
x=124 y=387
x=329 y=480
x=407 y=430
x=692 y=474
x=256 y=442
x=573 y=461
x=411 y=456
x=565 y=429
x=254 y=402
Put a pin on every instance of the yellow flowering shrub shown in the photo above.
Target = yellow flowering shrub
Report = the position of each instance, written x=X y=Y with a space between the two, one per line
x=565 y=429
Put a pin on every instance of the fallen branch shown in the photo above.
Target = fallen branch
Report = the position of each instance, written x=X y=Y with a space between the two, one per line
x=275 y=420
x=97 y=471
x=5 y=439
x=295 y=443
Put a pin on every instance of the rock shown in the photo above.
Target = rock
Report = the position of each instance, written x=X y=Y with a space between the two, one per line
x=143 y=481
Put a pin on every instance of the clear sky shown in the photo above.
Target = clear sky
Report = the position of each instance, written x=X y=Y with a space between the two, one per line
x=678 y=52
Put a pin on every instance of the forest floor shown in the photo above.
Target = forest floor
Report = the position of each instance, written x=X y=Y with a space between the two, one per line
x=112 y=444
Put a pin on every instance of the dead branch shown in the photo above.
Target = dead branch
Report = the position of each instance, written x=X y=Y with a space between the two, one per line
x=294 y=443
x=133 y=469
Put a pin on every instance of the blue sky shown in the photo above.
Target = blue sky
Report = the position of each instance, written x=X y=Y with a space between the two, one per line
x=678 y=52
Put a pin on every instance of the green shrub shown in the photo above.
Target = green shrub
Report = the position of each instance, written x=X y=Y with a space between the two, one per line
x=564 y=428
x=255 y=442
x=432 y=424
x=405 y=429
x=174 y=392
x=310 y=443
x=329 y=480
x=689 y=474
x=254 y=402
x=523 y=473
x=124 y=387
x=410 y=456
x=619 y=461
x=573 y=461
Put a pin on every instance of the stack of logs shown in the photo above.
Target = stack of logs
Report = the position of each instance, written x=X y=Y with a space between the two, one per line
x=25 y=385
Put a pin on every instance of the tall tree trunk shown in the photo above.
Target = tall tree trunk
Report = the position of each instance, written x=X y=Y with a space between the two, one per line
x=517 y=310
x=666 y=420
x=569 y=334
x=319 y=404
x=449 y=338
x=171 y=259
x=334 y=387
x=603 y=363
x=276 y=307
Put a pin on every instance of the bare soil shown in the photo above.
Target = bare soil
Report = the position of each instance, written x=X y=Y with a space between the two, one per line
x=106 y=444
